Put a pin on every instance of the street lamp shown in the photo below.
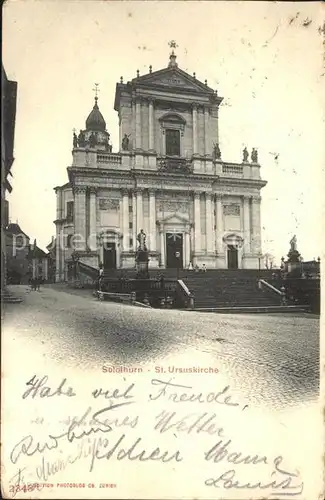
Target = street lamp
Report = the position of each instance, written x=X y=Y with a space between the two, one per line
x=177 y=255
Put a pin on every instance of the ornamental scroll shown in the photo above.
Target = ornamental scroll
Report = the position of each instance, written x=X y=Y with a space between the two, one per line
x=174 y=206
x=109 y=204
x=233 y=210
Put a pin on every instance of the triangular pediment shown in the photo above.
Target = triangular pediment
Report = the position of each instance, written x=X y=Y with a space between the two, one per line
x=175 y=218
x=174 y=78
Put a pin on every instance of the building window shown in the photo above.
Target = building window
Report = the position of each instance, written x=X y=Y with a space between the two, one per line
x=173 y=142
x=131 y=242
x=69 y=238
x=70 y=210
x=130 y=225
x=130 y=208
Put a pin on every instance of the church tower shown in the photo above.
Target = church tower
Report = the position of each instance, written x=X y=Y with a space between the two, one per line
x=167 y=177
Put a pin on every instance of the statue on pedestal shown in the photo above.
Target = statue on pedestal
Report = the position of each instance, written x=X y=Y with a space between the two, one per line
x=293 y=244
x=81 y=139
x=142 y=240
x=125 y=142
x=92 y=140
x=245 y=155
x=75 y=140
x=254 y=155
x=216 y=152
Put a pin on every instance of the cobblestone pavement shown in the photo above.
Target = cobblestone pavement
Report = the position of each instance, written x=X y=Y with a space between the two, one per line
x=272 y=361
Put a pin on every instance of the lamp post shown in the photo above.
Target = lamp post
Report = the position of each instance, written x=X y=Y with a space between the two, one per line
x=177 y=255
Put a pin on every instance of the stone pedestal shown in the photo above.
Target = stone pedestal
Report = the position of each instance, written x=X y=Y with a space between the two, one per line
x=142 y=261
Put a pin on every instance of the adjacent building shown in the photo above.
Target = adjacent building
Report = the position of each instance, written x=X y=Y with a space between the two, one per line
x=167 y=177
x=8 y=121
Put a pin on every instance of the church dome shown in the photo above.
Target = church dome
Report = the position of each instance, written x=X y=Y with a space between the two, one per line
x=95 y=120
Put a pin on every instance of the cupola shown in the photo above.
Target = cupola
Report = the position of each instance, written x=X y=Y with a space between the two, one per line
x=95 y=120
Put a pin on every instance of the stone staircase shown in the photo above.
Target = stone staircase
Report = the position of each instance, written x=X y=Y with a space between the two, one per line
x=8 y=298
x=225 y=290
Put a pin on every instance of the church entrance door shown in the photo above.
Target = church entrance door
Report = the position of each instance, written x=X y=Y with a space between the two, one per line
x=174 y=250
x=232 y=254
x=109 y=256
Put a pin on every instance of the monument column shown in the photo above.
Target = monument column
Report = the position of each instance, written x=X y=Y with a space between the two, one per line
x=125 y=219
x=80 y=218
x=151 y=125
x=152 y=221
x=246 y=221
x=197 y=222
x=138 y=124
x=206 y=131
x=219 y=224
x=194 y=128
x=134 y=221
x=209 y=220
x=139 y=211
x=92 y=242
x=256 y=225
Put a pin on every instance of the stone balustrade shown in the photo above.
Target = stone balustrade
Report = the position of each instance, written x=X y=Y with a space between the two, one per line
x=233 y=170
x=109 y=159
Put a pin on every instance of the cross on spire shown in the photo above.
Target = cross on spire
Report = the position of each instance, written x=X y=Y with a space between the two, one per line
x=172 y=44
x=96 y=90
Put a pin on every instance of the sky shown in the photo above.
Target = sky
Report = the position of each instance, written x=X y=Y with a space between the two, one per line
x=265 y=58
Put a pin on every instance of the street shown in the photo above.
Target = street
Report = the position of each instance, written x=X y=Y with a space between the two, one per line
x=273 y=361
x=202 y=387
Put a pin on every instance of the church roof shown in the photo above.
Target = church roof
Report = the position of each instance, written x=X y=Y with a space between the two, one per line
x=95 y=120
x=14 y=228
x=172 y=79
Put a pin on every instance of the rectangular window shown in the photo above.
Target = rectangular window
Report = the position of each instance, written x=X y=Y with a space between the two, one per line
x=173 y=142
x=69 y=240
x=130 y=225
x=70 y=210
x=131 y=242
x=130 y=208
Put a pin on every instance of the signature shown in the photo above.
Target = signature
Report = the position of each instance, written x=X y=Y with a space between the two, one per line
x=228 y=479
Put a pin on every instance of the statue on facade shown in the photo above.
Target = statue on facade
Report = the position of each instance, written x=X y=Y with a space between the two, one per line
x=81 y=139
x=254 y=155
x=293 y=244
x=216 y=152
x=245 y=155
x=125 y=142
x=75 y=140
x=92 y=140
x=142 y=240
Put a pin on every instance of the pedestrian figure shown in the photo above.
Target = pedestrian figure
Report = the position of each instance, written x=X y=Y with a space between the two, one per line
x=204 y=268
x=190 y=266
x=197 y=268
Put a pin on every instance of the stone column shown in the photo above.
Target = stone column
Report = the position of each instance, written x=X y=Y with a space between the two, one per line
x=139 y=211
x=246 y=221
x=46 y=269
x=206 y=131
x=197 y=222
x=151 y=126
x=162 y=248
x=138 y=142
x=58 y=204
x=92 y=241
x=120 y=131
x=194 y=120
x=256 y=245
x=134 y=221
x=219 y=224
x=187 y=249
x=209 y=222
x=80 y=218
x=125 y=219
x=152 y=221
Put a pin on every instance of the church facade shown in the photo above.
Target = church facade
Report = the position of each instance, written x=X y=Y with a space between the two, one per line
x=167 y=178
